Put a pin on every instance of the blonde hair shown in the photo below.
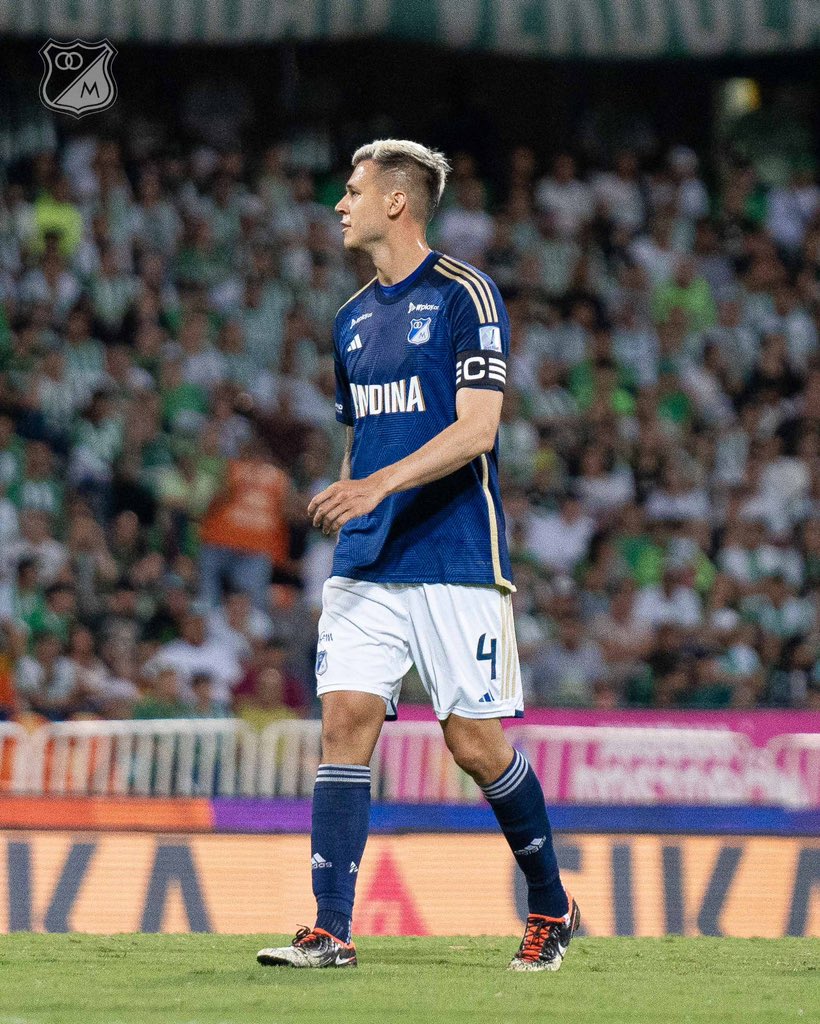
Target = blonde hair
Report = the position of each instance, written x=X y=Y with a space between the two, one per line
x=423 y=170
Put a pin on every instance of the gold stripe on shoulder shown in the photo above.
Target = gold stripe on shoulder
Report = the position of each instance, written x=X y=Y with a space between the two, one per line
x=472 y=272
x=486 y=290
x=482 y=316
x=355 y=295
x=464 y=275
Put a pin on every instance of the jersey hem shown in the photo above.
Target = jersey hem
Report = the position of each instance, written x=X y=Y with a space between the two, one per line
x=499 y=713
x=409 y=581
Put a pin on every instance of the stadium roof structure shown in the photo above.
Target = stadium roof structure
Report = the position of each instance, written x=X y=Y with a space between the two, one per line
x=596 y=29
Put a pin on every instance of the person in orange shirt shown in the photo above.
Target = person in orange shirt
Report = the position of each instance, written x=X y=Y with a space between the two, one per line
x=245 y=531
x=12 y=646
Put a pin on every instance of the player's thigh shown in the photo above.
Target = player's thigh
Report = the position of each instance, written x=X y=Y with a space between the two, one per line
x=463 y=645
x=351 y=723
x=363 y=640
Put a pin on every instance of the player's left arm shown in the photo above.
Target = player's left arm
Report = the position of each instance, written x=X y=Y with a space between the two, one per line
x=480 y=354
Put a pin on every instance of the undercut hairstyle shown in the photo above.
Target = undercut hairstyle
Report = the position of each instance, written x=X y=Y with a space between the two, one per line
x=421 y=171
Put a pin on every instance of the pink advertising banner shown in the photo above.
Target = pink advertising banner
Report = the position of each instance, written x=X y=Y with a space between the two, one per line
x=759 y=726
x=767 y=758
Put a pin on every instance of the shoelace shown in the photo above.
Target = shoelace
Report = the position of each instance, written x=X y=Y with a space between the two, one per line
x=533 y=940
x=304 y=935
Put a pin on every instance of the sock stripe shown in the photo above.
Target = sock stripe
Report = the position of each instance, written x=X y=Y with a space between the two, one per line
x=510 y=780
x=349 y=773
x=342 y=778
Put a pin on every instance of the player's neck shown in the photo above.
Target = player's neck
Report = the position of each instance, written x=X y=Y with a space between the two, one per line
x=395 y=260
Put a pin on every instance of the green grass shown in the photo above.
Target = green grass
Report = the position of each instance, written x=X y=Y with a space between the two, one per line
x=208 y=979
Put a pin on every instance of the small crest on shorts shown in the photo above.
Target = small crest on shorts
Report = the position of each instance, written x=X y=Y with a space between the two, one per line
x=321 y=663
x=419 y=330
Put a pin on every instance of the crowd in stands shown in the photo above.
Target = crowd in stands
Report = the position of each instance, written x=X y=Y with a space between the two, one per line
x=167 y=411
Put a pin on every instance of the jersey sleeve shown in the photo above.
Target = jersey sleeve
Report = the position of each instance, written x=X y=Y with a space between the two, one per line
x=344 y=404
x=480 y=333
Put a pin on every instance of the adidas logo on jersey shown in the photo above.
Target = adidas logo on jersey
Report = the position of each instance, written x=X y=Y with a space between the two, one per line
x=422 y=307
x=395 y=396
x=317 y=861
x=358 y=319
x=356 y=343
x=532 y=847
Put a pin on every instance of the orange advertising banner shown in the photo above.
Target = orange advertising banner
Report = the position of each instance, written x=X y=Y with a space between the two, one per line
x=422 y=884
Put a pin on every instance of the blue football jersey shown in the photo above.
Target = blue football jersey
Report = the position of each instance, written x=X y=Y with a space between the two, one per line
x=401 y=353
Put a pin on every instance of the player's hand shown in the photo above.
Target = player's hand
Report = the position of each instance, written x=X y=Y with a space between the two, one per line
x=336 y=505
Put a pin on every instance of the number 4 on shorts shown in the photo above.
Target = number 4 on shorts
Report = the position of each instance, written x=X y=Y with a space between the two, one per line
x=486 y=655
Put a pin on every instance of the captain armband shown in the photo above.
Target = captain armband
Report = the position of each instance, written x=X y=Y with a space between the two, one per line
x=478 y=369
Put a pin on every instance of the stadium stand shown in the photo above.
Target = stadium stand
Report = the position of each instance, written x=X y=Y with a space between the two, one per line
x=166 y=373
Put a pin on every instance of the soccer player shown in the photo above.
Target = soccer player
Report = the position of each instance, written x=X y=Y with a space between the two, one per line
x=421 y=572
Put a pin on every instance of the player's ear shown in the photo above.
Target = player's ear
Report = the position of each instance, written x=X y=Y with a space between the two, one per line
x=396 y=202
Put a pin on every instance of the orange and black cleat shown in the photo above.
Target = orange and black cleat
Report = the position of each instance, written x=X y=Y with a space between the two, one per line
x=545 y=941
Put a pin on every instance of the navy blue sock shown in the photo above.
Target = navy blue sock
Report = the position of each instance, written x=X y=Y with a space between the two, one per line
x=518 y=802
x=341 y=818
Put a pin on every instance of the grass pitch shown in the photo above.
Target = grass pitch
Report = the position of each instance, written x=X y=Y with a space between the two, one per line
x=210 y=979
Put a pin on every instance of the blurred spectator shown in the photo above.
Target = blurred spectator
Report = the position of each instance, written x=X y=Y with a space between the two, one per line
x=238 y=626
x=625 y=639
x=565 y=198
x=465 y=230
x=559 y=540
x=193 y=653
x=204 y=705
x=271 y=690
x=11 y=646
x=673 y=600
x=46 y=680
x=164 y=699
x=245 y=531
x=566 y=674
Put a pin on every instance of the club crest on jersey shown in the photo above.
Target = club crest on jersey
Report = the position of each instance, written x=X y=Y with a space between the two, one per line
x=419 y=331
x=321 y=663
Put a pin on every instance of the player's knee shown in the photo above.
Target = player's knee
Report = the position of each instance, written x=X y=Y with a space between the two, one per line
x=472 y=759
x=479 y=747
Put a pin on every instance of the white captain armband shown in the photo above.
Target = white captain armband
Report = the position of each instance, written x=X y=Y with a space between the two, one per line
x=479 y=369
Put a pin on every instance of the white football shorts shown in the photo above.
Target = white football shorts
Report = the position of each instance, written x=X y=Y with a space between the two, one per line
x=461 y=639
